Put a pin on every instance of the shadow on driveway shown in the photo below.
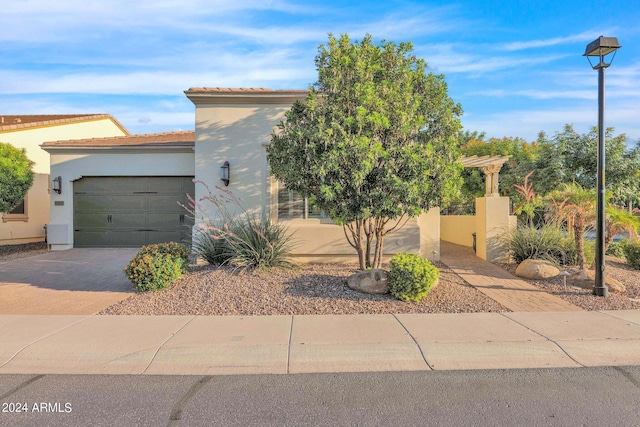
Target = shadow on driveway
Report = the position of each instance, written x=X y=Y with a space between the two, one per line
x=77 y=281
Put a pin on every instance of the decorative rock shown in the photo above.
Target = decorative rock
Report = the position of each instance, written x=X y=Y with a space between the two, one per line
x=370 y=281
x=536 y=269
x=587 y=280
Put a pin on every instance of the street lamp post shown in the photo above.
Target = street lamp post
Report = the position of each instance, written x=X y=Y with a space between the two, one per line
x=600 y=48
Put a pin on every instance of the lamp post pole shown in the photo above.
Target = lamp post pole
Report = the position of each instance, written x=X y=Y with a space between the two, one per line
x=600 y=288
x=599 y=48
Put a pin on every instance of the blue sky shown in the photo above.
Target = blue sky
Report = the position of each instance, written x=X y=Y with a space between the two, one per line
x=516 y=67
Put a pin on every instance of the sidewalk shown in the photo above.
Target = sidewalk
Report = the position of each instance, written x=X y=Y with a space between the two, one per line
x=500 y=285
x=213 y=345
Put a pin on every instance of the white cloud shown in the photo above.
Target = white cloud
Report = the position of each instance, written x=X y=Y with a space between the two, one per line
x=585 y=36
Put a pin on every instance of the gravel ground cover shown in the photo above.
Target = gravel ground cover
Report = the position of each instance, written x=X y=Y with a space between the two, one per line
x=312 y=289
x=9 y=252
x=614 y=267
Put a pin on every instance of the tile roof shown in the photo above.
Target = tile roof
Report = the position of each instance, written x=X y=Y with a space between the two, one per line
x=184 y=139
x=17 y=122
x=244 y=90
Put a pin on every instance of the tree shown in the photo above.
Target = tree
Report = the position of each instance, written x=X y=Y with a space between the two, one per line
x=373 y=143
x=618 y=221
x=577 y=205
x=16 y=176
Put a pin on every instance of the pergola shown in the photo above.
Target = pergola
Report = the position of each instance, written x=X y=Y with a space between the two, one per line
x=491 y=166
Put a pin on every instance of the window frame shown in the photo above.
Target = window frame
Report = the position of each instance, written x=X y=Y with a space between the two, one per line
x=24 y=216
x=304 y=208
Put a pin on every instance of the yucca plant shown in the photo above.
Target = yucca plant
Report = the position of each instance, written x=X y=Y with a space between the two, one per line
x=243 y=240
x=548 y=241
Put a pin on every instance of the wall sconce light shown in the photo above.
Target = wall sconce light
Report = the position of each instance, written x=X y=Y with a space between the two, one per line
x=57 y=184
x=224 y=173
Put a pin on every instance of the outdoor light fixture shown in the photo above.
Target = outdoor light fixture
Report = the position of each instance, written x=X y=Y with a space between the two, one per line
x=601 y=47
x=224 y=173
x=57 y=184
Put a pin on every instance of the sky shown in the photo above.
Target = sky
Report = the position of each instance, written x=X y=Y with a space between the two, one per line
x=515 y=66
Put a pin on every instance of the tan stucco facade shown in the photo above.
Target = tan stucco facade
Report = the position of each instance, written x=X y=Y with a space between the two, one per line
x=30 y=227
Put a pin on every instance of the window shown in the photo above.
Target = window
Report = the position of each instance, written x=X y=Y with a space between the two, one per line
x=291 y=205
x=19 y=213
x=18 y=210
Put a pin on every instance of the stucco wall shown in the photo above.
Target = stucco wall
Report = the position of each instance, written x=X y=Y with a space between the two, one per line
x=237 y=134
x=322 y=241
x=492 y=220
x=73 y=166
x=16 y=231
x=458 y=229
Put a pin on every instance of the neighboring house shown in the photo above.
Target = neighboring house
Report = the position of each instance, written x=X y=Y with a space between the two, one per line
x=124 y=191
x=26 y=222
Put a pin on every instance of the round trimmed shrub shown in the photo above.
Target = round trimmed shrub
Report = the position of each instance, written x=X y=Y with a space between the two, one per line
x=411 y=277
x=177 y=250
x=156 y=266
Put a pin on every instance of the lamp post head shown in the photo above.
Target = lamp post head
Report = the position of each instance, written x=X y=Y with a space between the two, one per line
x=601 y=47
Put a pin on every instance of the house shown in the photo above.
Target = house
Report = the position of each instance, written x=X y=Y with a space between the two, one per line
x=123 y=191
x=26 y=222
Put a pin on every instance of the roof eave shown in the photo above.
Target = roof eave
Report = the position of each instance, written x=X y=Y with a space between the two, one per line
x=202 y=96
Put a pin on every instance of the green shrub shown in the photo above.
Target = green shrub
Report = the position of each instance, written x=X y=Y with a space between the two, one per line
x=543 y=242
x=632 y=253
x=411 y=277
x=156 y=266
x=170 y=248
x=616 y=248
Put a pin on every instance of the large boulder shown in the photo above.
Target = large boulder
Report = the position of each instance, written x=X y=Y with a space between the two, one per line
x=586 y=279
x=537 y=269
x=369 y=281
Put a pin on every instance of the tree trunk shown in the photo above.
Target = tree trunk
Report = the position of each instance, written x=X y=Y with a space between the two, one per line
x=578 y=234
x=379 y=244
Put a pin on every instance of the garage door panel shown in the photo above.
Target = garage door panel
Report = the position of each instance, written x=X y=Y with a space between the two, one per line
x=165 y=236
x=91 y=203
x=128 y=220
x=165 y=185
x=91 y=239
x=93 y=185
x=92 y=221
x=126 y=184
x=164 y=221
x=128 y=238
x=165 y=203
x=127 y=202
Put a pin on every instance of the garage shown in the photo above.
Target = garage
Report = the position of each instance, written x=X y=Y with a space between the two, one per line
x=131 y=211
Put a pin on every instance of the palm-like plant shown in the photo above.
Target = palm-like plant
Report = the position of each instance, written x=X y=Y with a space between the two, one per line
x=618 y=221
x=577 y=206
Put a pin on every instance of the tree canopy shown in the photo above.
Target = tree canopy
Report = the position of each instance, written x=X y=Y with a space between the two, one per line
x=16 y=176
x=567 y=157
x=374 y=141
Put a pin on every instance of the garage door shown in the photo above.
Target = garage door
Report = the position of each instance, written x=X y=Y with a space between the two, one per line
x=131 y=211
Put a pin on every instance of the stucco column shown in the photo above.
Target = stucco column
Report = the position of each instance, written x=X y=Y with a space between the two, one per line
x=492 y=219
x=429 y=223
x=491 y=174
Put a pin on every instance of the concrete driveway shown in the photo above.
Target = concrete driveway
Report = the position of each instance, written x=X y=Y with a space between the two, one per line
x=77 y=281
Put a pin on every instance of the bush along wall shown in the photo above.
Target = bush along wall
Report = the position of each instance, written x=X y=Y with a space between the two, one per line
x=632 y=253
x=411 y=277
x=156 y=266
